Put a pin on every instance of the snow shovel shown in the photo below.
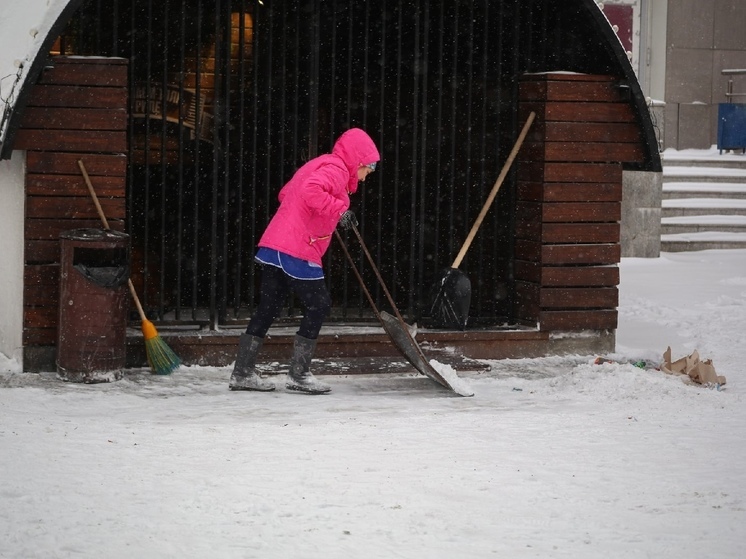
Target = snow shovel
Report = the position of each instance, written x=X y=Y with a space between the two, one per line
x=450 y=308
x=399 y=331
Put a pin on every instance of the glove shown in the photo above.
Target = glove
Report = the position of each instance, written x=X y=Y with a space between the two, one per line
x=347 y=220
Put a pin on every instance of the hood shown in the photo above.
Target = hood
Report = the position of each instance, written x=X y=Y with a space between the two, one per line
x=355 y=148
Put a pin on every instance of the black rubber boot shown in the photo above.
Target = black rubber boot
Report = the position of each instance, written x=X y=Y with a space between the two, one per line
x=244 y=375
x=300 y=378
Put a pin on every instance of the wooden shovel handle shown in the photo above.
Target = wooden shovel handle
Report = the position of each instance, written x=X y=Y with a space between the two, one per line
x=378 y=275
x=359 y=277
x=101 y=214
x=493 y=193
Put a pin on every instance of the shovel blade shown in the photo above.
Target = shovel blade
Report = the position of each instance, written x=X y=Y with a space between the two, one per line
x=409 y=348
x=411 y=351
x=450 y=308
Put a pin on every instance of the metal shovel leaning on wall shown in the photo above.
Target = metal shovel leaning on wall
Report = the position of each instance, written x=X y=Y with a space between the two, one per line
x=450 y=308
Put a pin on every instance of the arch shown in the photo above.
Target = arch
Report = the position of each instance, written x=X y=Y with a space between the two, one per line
x=57 y=13
x=653 y=160
x=44 y=20
x=436 y=170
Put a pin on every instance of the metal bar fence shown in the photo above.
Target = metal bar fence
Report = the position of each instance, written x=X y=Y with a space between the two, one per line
x=229 y=97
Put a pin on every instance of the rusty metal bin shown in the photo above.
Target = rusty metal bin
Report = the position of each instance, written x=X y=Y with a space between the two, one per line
x=92 y=327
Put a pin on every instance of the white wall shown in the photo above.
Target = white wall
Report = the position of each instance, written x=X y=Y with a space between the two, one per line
x=12 y=196
x=24 y=25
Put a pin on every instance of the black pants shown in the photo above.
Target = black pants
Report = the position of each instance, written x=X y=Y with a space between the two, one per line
x=276 y=286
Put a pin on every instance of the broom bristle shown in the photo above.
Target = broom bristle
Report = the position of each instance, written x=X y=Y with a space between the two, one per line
x=161 y=358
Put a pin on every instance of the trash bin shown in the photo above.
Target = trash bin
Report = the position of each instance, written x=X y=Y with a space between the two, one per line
x=92 y=327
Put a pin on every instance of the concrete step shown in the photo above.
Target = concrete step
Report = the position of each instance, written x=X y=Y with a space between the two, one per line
x=680 y=190
x=702 y=206
x=703 y=175
x=704 y=158
x=703 y=223
x=685 y=242
x=704 y=200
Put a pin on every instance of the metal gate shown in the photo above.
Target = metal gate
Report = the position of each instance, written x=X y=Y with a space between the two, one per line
x=228 y=98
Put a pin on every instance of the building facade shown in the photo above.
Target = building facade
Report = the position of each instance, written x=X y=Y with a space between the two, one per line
x=679 y=49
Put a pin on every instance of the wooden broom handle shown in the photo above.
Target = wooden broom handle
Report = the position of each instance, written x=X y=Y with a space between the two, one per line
x=93 y=194
x=100 y=211
x=491 y=197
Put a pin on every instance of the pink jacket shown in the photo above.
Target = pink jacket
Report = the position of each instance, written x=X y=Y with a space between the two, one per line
x=318 y=194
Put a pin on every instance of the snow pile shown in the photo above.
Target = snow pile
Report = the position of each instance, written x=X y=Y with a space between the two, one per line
x=8 y=365
x=459 y=385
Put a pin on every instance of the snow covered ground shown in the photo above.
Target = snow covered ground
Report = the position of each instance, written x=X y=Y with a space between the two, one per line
x=552 y=458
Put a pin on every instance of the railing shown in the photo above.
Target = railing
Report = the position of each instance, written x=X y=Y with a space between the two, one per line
x=729 y=90
x=230 y=97
x=732 y=117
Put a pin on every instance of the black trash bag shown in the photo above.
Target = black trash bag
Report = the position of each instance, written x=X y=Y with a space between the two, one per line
x=108 y=277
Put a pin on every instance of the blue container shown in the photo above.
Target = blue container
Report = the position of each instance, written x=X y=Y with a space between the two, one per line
x=731 y=126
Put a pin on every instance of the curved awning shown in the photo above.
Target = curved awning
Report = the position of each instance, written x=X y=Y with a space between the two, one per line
x=28 y=28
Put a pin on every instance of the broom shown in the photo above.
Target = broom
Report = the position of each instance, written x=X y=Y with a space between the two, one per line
x=161 y=358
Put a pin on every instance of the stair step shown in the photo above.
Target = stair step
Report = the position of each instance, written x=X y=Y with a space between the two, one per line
x=703 y=223
x=702 y=206
x=704 y=200
x=703 y=158
x=683 y=242
x=703 y=175
x=677 y=190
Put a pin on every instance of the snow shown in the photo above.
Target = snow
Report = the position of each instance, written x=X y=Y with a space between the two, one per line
x=708 y=203
x=716 y=220
x=449 y=374
x=726 y=187
x=552 y=457
x=683 y=170
x=710 y=154
x=712 y=236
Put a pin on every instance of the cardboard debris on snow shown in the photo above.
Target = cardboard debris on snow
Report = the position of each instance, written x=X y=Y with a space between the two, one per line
x=701 y=372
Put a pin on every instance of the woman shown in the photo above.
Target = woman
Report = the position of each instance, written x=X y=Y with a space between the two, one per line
x=312 y=203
